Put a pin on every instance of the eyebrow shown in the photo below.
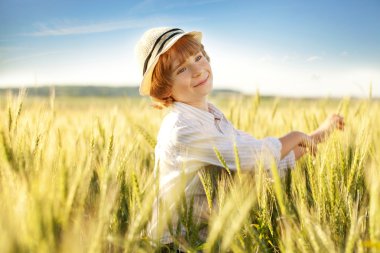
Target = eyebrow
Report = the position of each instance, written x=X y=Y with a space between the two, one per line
x=178 y=65
x=181 y=63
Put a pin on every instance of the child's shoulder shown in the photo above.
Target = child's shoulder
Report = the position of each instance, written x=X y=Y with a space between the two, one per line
x=177 y=120
x=177 y=125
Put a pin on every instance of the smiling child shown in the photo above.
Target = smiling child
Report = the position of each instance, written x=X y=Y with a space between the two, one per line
x=177 y=75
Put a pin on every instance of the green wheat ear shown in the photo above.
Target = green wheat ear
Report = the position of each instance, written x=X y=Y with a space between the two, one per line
x=205 y=177
x=275 y=107
x=237 y=161
x=151 y=141
x=93 y=193
x=110 y=150
x=221 y=160
x=136 y=190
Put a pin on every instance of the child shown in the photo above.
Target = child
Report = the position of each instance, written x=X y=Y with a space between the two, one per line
x=177 y=74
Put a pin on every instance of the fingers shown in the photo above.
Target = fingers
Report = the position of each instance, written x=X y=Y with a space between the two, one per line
x=337 y=121
x=312 y=148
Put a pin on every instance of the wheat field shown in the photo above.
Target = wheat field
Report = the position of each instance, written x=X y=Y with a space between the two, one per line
x=76 y=176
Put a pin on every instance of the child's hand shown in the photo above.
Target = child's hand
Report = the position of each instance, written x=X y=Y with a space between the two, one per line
x=332 y=122
x=296 y=139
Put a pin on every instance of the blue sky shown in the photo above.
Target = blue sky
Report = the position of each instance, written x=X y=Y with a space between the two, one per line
x=289 y=47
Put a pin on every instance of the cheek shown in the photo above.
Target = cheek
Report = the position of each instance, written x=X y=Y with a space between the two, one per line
x=183 y=79
x=206 y=65
x=179 y=84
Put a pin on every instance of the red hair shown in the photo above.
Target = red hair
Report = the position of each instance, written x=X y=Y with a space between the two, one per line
x=161 y=86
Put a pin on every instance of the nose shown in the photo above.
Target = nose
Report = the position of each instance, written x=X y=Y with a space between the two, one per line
x=197 y=70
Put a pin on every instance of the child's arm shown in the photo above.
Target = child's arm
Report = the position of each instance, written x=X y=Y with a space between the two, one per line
x=332 y=122
x=296 y=139
x=322 y=133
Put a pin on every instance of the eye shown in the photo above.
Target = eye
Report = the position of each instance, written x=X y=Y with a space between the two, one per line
x=181 y=70
x=198 y=58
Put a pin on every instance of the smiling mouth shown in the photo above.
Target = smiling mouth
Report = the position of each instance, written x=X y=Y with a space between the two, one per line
x=202 y=82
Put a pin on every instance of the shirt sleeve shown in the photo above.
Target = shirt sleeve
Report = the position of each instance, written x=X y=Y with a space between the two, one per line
x=287 y=162
x=200 y=147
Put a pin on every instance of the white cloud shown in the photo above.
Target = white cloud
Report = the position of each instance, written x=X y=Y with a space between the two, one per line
x=153 y=6
x=233 y=67
x=31 y=56
x=314 y=58
x=240 y=71
x=64 y=27
x=266 y=58
x=10 y=48
x=315 y=77
x=177 y=4
x=286 y=58
x=108 y=71
x=344 y=53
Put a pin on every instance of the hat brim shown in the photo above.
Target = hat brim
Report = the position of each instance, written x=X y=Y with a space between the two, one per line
x=147 y=78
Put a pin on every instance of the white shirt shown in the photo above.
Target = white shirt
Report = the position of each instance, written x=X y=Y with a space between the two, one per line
x=187 y=142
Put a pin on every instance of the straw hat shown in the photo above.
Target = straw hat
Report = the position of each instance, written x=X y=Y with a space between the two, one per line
x=152 y=44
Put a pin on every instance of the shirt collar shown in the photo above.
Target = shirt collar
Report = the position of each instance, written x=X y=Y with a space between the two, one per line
x=212 y=115
x=218 y=115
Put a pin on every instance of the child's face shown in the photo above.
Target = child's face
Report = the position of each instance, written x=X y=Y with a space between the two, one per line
x=192 y=79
